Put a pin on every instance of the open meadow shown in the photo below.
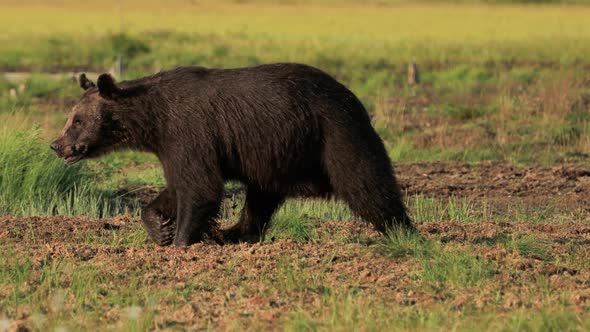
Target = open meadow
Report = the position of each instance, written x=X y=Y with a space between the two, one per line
x=491 y=149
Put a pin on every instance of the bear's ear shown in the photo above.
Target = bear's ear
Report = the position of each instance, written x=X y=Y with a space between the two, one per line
x=107 y=87
x=85 y=83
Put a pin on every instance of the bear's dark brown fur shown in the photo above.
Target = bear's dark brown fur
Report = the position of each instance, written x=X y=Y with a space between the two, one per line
x=283 y=130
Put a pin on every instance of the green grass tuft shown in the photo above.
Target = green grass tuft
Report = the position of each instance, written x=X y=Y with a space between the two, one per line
x=33 y=181
x=400 y=243
x=530 y=245
x=457 y=269
x=298 y=219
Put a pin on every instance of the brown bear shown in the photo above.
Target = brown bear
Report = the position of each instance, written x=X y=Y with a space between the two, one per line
x=283 y=130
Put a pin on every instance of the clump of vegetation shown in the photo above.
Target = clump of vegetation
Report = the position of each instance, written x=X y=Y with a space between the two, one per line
x=440 y=267
x=298 y=219
x=530 y=245
x=33 y=181
x=400 y=243
x=458 y=269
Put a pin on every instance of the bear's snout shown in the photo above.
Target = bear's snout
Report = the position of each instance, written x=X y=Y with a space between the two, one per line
x=54 y=146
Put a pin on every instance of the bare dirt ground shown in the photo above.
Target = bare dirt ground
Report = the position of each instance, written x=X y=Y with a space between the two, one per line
x=261 y=285
x=494 y=179
x=501 y=185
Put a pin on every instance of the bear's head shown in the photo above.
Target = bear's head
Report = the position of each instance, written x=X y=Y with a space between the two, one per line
x=91 y=129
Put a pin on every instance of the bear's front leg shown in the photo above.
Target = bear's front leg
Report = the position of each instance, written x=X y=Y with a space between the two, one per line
x=197 y=213
x=159 y=217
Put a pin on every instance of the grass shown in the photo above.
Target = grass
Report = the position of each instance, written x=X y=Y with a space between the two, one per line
x=447 y=270
x=345 y=313
x=60 y=293
x=297 y=218
x=512 y=86
x=530 y=245
x=400 y=244
x=34 y=182
x=396 y=34
x=310 y=277
x=441 y=268
x=508 y=88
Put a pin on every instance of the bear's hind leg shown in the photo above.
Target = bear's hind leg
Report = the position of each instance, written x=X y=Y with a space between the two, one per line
x=255 y=216
x=364 y=179
x=159 y=217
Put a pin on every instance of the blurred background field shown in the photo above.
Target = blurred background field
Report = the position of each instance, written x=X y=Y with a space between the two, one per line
x=499 y=82
x=503 y=82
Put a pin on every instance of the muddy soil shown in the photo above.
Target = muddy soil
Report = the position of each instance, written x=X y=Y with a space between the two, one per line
x=494 y=179
x=562 y=187
x=239 y=284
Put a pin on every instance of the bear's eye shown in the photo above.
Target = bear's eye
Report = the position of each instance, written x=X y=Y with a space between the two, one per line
x=77 y=122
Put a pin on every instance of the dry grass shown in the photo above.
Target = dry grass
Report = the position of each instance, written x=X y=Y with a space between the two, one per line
x=543 y=120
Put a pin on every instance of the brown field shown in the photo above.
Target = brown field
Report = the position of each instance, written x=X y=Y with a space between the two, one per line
x=345 y=267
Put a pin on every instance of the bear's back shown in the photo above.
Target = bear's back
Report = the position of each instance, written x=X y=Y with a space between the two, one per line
x=266 y=122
